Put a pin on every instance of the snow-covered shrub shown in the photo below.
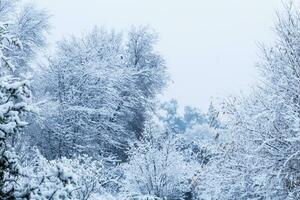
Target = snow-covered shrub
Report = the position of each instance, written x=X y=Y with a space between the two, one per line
x=91 y=175
x=156 y=167
x=202 y=144
x=79 y=178
x=48 y=180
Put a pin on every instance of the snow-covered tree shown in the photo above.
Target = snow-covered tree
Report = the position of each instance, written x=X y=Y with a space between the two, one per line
x=14 y=94
x=93 y=97
x=30 y=27
x=14 y=104
x=79 y=114
x=262 y=161
x=150 y=74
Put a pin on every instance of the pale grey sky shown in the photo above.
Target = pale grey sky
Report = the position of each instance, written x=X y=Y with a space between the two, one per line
x=210 y=45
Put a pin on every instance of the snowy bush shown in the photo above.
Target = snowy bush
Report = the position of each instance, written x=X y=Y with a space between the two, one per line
x=156 y=167
x=79 y=178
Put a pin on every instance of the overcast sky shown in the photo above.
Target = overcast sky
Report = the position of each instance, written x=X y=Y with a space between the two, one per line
x=210 y=45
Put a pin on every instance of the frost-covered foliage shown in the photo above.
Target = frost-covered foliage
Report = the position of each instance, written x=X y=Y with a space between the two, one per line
x=156 y=167
x=96 y=91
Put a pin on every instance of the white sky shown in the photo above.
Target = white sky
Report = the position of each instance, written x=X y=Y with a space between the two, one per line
x=210 y=45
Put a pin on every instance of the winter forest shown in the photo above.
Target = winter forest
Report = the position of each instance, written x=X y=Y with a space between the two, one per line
x=84 y=122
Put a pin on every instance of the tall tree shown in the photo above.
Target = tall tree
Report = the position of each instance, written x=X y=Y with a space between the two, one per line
x=263 y=160
x=94 y=99
x=151 y=76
